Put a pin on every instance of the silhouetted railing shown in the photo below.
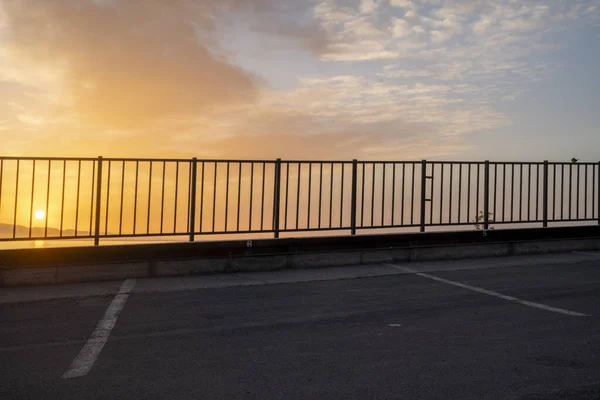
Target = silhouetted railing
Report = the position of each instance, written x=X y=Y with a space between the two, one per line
x=78 y=198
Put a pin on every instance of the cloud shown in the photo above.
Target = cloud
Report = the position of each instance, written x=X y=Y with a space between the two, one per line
x=402 y=3
x=337 y=140
x=126 y=64
x=377 y=79
x=476 y=25
x=401 y=27
x=367 y=6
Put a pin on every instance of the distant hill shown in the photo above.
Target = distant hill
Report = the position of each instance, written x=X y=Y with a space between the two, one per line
x=6 y=230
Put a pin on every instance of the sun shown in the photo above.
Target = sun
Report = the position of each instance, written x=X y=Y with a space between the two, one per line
x=40 y=214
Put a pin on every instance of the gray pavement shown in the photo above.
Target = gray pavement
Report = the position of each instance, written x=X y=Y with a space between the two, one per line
x=375 y=332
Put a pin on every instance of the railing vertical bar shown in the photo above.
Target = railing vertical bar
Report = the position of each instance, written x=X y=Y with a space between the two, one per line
x=362 y=201
x=598 y=210
x=521 y=192
x=17 y=200
x=469 y=192
x=121 y=200
x=239 y=199
x=585 y=192
x=1 y=177
x=594 y=191
x=77 y=200
x=570 y=190
x=310 y=168
x=423 y=192
x=342 y=167
x=503 y=192
x=98 y=203
x=48 y=200
x=383 y=195
x=373 y=196
x=192 y=198
x=554 y=192
x=62 y=201
x=201 y=226
x=393 y=194
x=226 y=228
x=562 y=192
x=441 y=193
x=450 y=193
x=135 y=198
x=298 y=196
x=403 y=195
x=276 y=197
x=460 y=168
x=175 y=206
x=331 y=196
x=353 y=197
x=412 y=198
x=162 y=197
x=107 y=197
x=150 y=197
x=495 y=191
x=287 y=190
x=62 y=197
x=512 y=193
x=92 y=198
x=486 y=196
x=31 y=202
x=528 y=192
x=251 y=196
x=262 y=195
x=189 y=197
x=578 y=170
x=537 y=192
x=545 y=196
x=214 y=205
x=320 y=192
x=431 y=192
x=477 y=193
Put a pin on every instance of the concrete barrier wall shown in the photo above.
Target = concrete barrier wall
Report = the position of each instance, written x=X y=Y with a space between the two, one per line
x=44 y=275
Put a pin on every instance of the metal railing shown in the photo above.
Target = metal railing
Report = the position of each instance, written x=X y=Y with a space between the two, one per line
x=93 y=198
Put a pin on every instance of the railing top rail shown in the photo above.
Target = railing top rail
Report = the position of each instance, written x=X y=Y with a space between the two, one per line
x=317 y=161
x=572 y=163
x=25 y=158
x=306 y=161
x=206 y=160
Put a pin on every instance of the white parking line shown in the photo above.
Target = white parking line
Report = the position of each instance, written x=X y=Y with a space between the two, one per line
x=83 y=363
x=491 y=293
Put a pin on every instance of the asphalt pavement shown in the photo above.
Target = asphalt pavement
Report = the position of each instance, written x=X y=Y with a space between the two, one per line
x=522 y=328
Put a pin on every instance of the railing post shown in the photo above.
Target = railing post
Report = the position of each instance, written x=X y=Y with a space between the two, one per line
x=486 y=196
x=598 y=185
x=354 y=188
x=545 y=204
x=98 y=205
x=276 y=197
x=192 y=224
x=423 y=192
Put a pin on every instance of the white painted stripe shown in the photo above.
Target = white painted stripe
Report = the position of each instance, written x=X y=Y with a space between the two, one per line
x=83 y=363
x=491 y=293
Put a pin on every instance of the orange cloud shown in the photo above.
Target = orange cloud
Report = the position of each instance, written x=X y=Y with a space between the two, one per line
x=128 y=63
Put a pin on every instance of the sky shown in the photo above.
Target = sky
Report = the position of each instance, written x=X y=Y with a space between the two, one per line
x=312 y=79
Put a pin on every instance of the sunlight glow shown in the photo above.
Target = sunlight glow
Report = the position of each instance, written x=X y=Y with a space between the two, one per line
x=40 y=214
